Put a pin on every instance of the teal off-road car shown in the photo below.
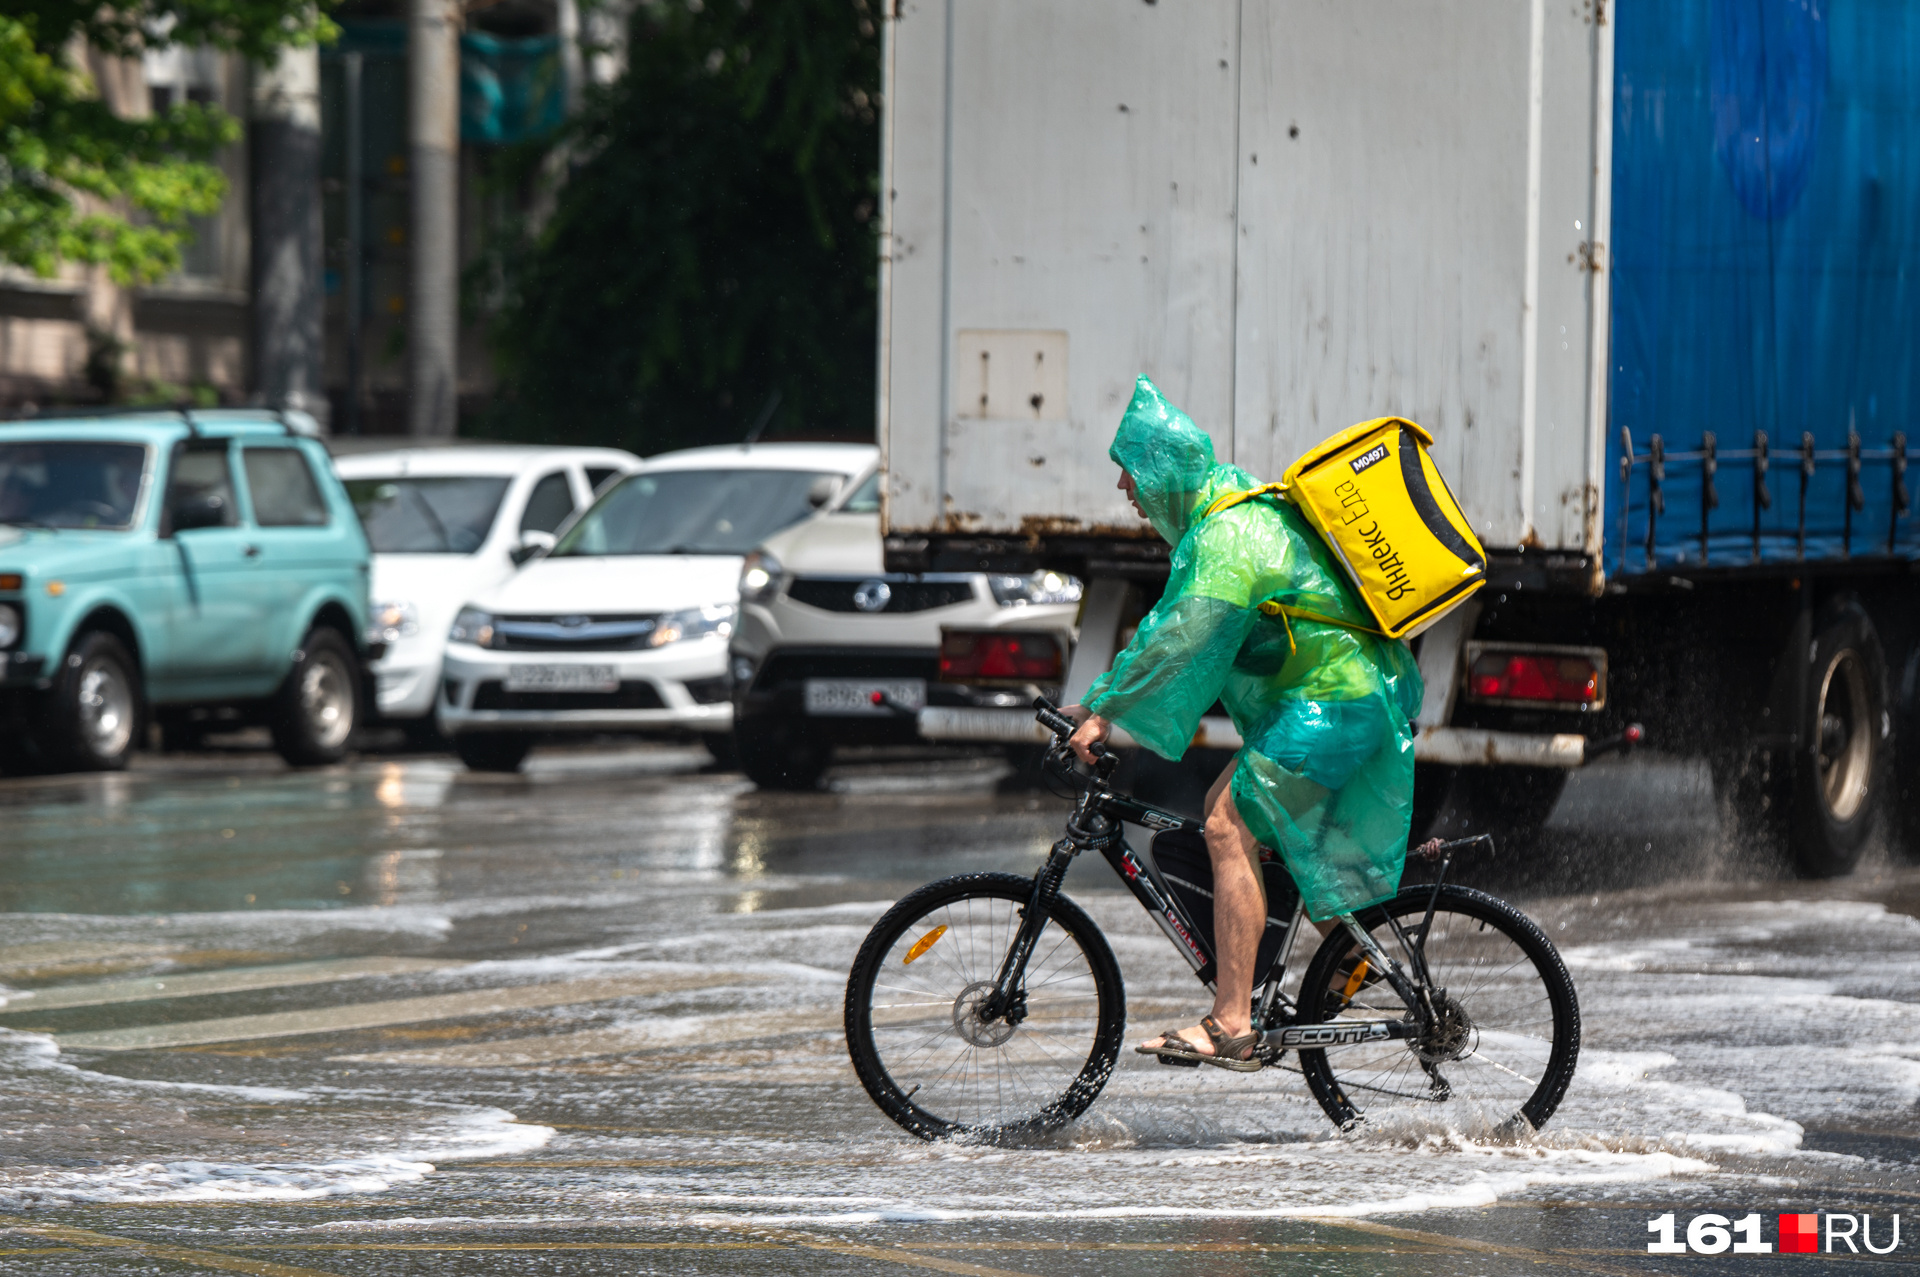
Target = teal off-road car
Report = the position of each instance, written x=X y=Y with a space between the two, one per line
x=170 y=566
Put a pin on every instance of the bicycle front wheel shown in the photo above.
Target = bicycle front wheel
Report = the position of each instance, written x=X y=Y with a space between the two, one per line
x=932 y=1062
x=1506 y=1030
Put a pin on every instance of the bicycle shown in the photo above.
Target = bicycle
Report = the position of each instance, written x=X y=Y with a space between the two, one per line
x=988 y=1007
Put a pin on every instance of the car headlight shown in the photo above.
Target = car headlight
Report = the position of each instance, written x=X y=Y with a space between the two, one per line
x=392 y=621
x=1034 y=589
x=695 y=622
x=472 y=626
x=760 y=577
x=10 y=625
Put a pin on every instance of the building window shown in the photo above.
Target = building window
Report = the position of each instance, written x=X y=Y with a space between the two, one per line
x=178 y=74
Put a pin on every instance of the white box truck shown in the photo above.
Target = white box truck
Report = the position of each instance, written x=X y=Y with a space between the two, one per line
x=1636 y=266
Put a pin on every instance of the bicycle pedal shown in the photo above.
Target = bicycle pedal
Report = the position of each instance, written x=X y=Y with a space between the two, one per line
x=1172 y=1063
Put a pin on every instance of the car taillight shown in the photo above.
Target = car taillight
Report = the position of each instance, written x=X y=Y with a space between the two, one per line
x=999 y=656
x=1537 y=675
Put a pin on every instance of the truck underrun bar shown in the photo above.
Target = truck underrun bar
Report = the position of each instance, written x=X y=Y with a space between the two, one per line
x=1655 y=460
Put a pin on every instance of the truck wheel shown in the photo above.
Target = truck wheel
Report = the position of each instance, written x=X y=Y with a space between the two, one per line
x=1511 y=803
x=1840 y=779
x=317 y=707
x=493 y=751
x=1906 y=757
x=773 y=757
x=94 y=706
x=720 y=748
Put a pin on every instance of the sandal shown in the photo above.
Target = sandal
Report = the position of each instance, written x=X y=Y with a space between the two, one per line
x=1176 y=1050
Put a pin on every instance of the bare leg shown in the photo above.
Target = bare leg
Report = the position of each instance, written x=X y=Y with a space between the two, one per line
x=1239 y=911
x=1239 y=914
x=1215 y=793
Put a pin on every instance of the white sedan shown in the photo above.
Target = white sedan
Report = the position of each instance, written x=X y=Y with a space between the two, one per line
x=624 y=625
x=447 y=524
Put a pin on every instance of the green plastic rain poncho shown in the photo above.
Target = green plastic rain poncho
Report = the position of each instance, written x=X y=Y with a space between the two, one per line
x=1326 y=777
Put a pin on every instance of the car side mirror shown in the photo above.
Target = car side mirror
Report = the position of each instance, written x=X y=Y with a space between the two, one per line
x=205 y=510
x=532 y=545
x=822 y=490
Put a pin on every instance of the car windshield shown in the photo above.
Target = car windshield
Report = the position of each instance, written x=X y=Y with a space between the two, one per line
x=60 y=484
x=428 y=514
x=865 y=501
x=696 y=511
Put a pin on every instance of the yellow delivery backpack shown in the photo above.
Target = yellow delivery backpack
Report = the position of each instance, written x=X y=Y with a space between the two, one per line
x=1377 y=499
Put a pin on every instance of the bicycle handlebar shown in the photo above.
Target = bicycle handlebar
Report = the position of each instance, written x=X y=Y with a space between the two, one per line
x=1048 y=715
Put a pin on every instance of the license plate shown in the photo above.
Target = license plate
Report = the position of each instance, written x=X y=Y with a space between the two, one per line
x=851 y=696
x=562 y=678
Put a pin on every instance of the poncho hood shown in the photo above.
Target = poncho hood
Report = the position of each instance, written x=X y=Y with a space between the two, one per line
x=1171 y=460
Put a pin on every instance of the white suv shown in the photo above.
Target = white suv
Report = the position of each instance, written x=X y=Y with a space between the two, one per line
x=833 y=650
x=446 y=524
x=623 y=626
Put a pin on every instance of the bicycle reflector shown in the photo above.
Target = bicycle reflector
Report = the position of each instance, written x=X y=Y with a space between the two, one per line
x=1537 y=675
x=1000 y=656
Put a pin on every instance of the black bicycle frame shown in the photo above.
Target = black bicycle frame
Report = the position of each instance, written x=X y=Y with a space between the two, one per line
x=1096 y=825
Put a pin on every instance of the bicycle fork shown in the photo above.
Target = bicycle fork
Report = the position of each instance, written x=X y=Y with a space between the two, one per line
x=1087 y=828
x=1008 y=1001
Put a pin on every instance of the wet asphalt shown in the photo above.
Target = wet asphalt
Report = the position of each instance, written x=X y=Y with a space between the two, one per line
x=586 y=1020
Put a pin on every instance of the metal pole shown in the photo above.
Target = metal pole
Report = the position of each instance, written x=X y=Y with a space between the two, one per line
x=433 y=124
x=356 y=297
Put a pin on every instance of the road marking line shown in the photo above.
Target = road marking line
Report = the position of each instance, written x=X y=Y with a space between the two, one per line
x=1224 y=1247
x=195 y=984
x=887 y=1254
x=1255 y=1247
x=43 y=955
x=373 y=1015
x=553 y=1048
x=160 y=1250
x=1446 y=1242
x=439 y=1246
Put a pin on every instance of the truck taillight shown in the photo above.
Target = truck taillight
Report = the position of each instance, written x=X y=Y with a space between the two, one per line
x=1533 y=674
x=1000 y=656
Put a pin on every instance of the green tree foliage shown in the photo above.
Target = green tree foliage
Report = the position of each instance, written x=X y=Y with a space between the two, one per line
x=714 y=243
x=78 y=183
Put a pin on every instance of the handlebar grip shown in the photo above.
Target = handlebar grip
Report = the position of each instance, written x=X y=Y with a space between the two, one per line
x=1049 y=716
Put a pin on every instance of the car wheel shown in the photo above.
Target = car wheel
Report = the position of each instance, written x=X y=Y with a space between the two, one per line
x=493 y=751
x=1840 y=775
x=318 y=705
x=95 y=705
x=774 y=757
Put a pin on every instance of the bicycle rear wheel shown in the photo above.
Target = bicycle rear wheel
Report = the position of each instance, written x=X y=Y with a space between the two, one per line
x=926 y=1056
x=1507 y=1030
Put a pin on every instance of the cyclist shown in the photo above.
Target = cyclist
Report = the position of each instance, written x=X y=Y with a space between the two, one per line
x=1326 y=774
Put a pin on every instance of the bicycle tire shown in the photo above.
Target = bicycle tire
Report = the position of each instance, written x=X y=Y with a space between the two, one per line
x=921 y=1066
x=1510 y=1039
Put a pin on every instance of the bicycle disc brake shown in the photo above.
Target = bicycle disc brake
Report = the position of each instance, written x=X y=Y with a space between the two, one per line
x=969 y=1024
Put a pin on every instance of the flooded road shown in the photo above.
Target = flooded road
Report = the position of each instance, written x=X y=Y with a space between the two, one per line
x=396 y=1018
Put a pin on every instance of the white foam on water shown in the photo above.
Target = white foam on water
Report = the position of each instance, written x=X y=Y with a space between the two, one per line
x=72 y=1134
x=1330 y=1178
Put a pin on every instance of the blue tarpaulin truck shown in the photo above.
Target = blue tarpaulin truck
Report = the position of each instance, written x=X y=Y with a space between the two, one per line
x=1650 y=273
